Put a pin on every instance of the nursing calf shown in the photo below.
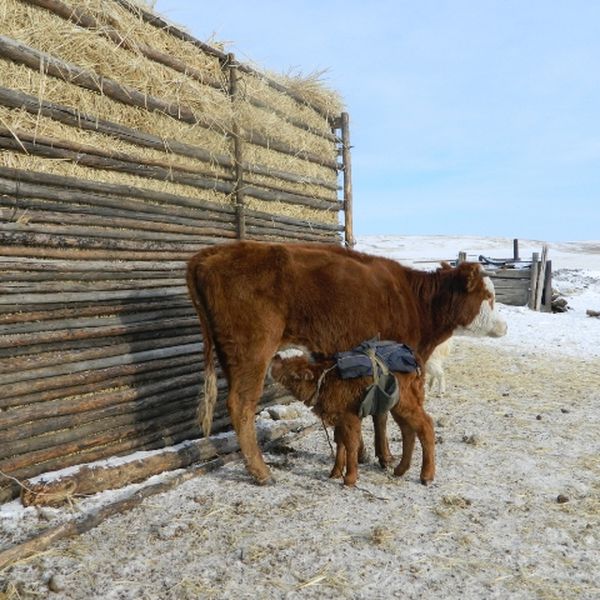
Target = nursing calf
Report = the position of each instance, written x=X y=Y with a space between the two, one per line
x=337 y=401
x=254 y=298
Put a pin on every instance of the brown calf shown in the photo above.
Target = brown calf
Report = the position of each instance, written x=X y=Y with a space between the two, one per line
x=336 y=401
x=254 y=298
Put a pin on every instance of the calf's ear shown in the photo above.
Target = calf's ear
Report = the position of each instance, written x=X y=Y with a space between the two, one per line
x=308 y=375
x=303 y=375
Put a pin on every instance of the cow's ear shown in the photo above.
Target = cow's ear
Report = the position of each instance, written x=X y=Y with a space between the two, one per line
x=474 y=277
x=445 y=265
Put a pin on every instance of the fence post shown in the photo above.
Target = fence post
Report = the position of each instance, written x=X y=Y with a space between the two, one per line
x=347 y=174
x=535 y=259
x=238 y=188
x=539 y=288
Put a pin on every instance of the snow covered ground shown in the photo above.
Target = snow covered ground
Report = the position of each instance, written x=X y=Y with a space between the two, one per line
x=518 y=428
x=576 y=275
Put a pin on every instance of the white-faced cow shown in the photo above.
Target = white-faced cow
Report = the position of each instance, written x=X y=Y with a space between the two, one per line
x=254 y=298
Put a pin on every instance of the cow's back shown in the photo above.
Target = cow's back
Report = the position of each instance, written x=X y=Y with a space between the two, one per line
x=327 y=297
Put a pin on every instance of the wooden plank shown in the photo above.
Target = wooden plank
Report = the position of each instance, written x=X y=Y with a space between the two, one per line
x=509 y=274
x=97 y=379
x=513 y=297
x=24 y=381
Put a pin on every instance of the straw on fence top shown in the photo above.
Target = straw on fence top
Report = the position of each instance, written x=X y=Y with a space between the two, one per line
x=93 y=51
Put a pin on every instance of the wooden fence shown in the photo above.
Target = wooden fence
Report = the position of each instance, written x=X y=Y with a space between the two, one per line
x=112 y=175
x=519 y=282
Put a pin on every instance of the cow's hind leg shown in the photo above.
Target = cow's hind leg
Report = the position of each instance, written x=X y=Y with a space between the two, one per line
x=246 y=382
x=242 y=410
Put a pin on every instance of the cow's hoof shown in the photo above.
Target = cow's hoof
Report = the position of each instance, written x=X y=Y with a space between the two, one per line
x=426 y=482
x=335 y=473
x=349 y=481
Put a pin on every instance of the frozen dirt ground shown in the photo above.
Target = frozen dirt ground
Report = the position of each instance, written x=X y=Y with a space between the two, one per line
x=516 y=429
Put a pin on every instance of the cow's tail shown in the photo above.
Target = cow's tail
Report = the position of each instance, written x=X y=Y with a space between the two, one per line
x=207 y=400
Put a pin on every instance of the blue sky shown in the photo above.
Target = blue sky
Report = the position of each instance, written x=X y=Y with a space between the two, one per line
x=468 y=117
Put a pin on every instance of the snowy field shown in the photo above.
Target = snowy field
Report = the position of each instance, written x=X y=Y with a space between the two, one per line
x=513 y=513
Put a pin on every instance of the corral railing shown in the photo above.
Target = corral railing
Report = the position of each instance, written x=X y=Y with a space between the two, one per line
x=127 y=145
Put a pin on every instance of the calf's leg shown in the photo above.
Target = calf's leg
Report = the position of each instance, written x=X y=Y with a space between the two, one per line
x=408 y=443
x=382 y=447
x=350 y=435
x=420 y=422
x=340 y=454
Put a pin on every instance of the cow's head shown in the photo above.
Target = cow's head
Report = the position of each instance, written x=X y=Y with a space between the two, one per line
x=487 y=322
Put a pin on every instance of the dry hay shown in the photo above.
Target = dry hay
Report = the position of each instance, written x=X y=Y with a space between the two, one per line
x=86 y=102
x=297 y=211
x=137 y=31
x=271 y=124
x=91 y=50
x=67 y=168
x=21 y=121
x=94 y=51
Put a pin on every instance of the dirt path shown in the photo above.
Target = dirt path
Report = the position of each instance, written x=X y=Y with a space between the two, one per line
x=513 y=433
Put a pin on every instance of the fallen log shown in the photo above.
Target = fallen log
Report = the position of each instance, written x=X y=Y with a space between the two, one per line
x=89 y=520
x=91 y=479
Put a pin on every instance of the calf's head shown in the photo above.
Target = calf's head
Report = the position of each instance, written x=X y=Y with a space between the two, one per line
x=297 y=374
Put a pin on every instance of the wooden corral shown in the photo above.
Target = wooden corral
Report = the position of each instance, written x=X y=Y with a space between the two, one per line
x=520 y=282
x=127 y=145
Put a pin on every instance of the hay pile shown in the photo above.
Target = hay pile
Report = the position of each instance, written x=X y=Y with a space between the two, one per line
x=114 y=42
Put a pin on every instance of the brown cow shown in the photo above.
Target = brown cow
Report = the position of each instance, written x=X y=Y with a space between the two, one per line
x=254 y=298
x=336 y=401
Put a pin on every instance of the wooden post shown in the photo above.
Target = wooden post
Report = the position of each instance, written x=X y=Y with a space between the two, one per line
x=539 y=288
x=237 y=147
x=347 y=172
x=535 y=258
x=462 y=257
x=547 y=297
x=516 y=250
